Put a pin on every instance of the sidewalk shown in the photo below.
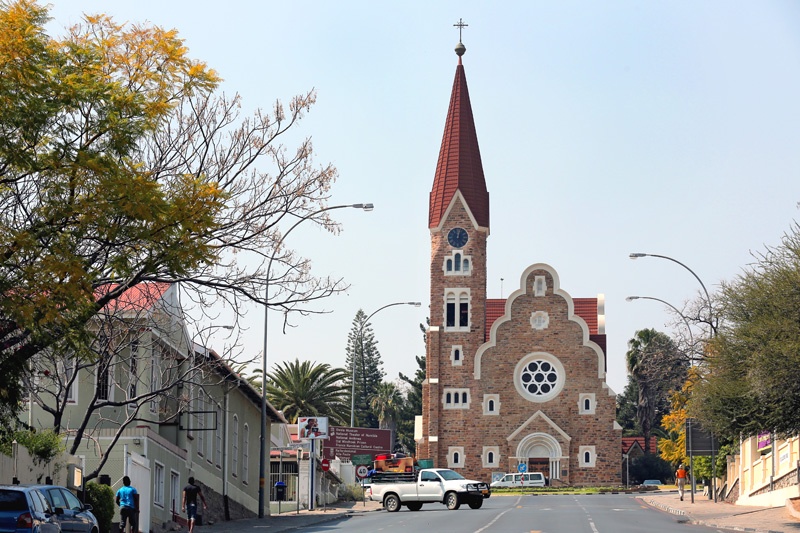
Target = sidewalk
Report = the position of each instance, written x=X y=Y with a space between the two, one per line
x=724 y=515
x=291 y=521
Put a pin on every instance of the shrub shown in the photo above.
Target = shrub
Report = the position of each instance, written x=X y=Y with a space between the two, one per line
x=101 y=498
x=351 y=492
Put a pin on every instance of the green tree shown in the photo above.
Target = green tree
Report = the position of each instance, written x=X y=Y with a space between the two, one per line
x=387 y=405
x=121 y=163
x=411 y=408
x=364 y=357
x=309 y=389
x=626 y=410
x=750 y=380
x=658 y=367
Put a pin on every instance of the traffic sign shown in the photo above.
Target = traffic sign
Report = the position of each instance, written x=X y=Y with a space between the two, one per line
x=362 y=471
x=325 y=464
x=365 y=459
x=522 y=467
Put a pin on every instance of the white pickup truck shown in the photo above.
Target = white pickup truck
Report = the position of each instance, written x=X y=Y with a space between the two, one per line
x=429 y=485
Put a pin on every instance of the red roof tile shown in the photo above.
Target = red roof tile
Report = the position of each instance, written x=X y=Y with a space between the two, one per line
x=586 y=308
x=629 y=442
x=459 y=166
x=140 y=297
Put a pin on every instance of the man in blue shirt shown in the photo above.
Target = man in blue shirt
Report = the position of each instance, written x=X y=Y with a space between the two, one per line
x=128 y=501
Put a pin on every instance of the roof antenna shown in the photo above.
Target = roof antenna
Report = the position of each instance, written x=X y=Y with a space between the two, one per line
x=460 y=48
x=501 y=288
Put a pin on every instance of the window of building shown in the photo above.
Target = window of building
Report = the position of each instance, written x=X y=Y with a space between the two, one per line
x=158 y=485
x=540 y=320
x=200 y=417
x=133 y=371
x=211 y=421
x=586 y=404
x=456 y=398
x=456 y=355
x=491 y=404
x=245 y=453
x=539 y=286
x=586 y=456
x=455 y=457
x=174 y=490
x=154 y=384
x=66 y=379
x=457 y=264
x=539 y=377
x=235 y=458
x=219 y=438
x=491 y=456
x=457 y=309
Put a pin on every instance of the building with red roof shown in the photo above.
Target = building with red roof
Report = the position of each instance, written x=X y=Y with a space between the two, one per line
x=516 y=382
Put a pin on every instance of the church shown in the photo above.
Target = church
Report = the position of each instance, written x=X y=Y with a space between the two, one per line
x=512 y=384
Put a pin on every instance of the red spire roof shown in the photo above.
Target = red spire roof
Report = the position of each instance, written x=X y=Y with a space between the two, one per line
x=459 y=166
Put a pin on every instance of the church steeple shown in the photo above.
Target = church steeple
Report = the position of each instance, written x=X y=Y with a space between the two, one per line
x=459 y=167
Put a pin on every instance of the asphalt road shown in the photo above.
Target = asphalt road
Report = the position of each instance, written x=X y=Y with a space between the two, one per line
x=524 y=514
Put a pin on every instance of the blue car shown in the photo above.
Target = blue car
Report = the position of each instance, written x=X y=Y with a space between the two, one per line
x=72 y=515
x=25 y=509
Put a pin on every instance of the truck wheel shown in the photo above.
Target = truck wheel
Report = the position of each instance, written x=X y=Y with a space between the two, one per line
x=476 y=504
x=414 y=506
x=451 y=501
x=392 y=503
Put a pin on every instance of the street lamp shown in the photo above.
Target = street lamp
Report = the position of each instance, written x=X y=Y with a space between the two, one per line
x=636 y=255
x=685 y=320
x=264 y=449
x=361 y=349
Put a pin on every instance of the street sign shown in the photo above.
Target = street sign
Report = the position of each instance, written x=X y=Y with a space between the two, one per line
x=522 y=467
x=364 y=459
x=325 y=464
x=362 y=471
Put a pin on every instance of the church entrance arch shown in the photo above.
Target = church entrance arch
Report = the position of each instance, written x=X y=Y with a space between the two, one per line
x=542 y=453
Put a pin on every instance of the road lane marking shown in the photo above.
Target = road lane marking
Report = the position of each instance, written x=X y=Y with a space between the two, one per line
x=496 y=518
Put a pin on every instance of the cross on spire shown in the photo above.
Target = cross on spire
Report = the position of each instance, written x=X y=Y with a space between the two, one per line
x=460 y=25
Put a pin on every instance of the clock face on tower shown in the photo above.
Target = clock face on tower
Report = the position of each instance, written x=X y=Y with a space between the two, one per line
x=457 y=237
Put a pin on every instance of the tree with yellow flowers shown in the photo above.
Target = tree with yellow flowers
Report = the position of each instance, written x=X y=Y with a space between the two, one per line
x=121 y=163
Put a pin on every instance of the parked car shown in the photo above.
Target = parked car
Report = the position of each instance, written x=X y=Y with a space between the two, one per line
x=25 y=509
x=72 y=515
x=650 y=484
x=529 y=479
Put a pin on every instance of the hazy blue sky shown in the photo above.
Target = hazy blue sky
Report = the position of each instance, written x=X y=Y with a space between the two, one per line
x=668 y=127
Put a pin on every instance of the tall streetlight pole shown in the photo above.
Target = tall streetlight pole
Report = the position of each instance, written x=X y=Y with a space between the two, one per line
x=713 y=334
x=685 y=320
x=361 y=349
x=264 y=448
x=636 y=255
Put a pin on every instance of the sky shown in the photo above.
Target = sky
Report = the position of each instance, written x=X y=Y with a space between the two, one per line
x=605 y=128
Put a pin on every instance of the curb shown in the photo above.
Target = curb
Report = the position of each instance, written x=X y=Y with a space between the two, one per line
x=688 y=519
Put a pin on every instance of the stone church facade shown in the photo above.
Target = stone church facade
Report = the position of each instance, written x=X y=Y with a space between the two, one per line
x=510 y=382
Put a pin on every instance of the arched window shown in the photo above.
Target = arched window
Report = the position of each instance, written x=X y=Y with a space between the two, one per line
x=456 y=458
x=587 y=404
x=449 y=265
x=458 y=262
x=235 y=458
x=463 y=310
x=246 y=454
x=587 y=457
x=457 y=354
x=463 y=397
x=490 y=457
x=447 y=398
x=491 y=406
x=455 y=397
x=451 y=310
x=466 y=265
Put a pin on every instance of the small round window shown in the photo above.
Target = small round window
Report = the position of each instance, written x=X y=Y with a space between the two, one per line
x=539 y=377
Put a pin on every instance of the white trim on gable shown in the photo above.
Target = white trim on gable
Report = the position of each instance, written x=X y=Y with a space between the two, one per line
x=521 y=291
x=458 y=197
x=538 y=414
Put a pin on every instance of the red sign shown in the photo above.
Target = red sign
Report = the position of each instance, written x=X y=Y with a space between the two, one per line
x=345 y=442
x=362 y=471
x=325 y=464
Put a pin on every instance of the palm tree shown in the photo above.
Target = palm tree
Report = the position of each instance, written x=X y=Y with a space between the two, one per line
x=656 y=365
x=309 y=389
x=387 y=406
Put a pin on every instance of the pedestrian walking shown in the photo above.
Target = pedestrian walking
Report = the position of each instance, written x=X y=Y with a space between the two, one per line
x=680 y=479
x=190 y=494
x=128 y=500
